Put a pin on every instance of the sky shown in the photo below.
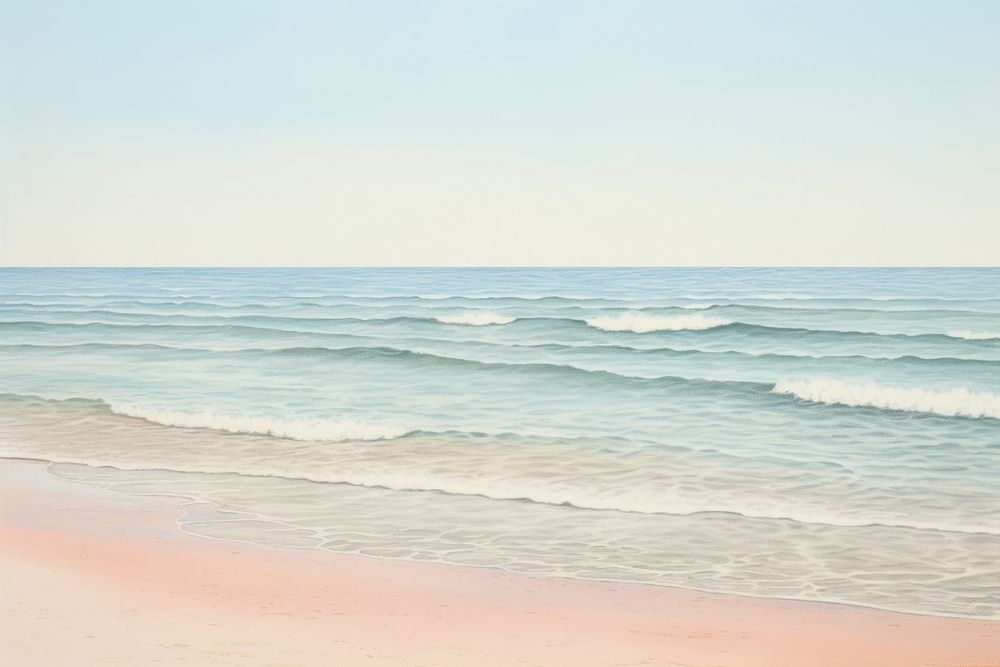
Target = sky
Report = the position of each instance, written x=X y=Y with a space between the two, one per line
x=508 y=133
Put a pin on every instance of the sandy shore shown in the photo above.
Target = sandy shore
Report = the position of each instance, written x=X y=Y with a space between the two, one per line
x=93 y=577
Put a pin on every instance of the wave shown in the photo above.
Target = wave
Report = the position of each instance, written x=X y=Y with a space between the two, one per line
x=572 y=365
x=642 y=323
x=958 y=402
x=972 y=335
x=277 y=326
x=476 y=319
x=428 y=466
x=546 y=369
x=322 y=430
x=629 y=322
x=536 y=495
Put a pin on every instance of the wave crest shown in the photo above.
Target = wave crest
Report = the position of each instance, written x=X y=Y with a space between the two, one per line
x=476 y=319
x=643 y=323
x=958 y=402
x=974 y=335
x=330 y=430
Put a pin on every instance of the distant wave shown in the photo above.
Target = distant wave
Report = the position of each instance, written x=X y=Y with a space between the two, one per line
x=299 y=429
x=947 y=402
x=631 y=321
x=579 y=367
x=642 y=323
x=972 y=335
x=476 y=319
x=289 y=325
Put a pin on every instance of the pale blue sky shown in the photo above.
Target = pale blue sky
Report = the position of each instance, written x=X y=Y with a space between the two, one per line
x=500 y=133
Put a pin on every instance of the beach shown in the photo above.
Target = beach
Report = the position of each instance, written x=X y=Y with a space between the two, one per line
x=542 y=466
x=774 y=433
x=96 y=577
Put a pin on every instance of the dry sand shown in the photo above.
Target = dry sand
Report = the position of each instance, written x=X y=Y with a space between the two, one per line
x=93 y=577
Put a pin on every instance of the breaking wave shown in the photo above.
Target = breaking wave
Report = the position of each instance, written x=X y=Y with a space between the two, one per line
x=642 y=323
x=974 y=335
x=958 y=402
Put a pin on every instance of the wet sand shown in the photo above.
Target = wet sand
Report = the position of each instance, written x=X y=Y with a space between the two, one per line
x=90 y=577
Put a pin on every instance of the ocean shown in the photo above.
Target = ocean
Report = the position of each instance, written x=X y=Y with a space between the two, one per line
x=820 y=434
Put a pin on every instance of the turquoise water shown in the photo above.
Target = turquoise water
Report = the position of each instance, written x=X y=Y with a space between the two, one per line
x=828 y=434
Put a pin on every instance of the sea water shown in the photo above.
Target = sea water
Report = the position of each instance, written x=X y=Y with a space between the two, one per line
x=825 y=434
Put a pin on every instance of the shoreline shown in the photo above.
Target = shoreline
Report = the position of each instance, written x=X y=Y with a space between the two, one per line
x=92 y=576
x=184 y=500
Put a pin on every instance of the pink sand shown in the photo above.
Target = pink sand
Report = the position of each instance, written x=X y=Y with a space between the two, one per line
x=92 y=577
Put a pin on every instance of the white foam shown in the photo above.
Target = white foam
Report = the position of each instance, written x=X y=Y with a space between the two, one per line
x=947 y=402
x=643 y=323
x=294 y=429
x=476 y=319
x=973 y=335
